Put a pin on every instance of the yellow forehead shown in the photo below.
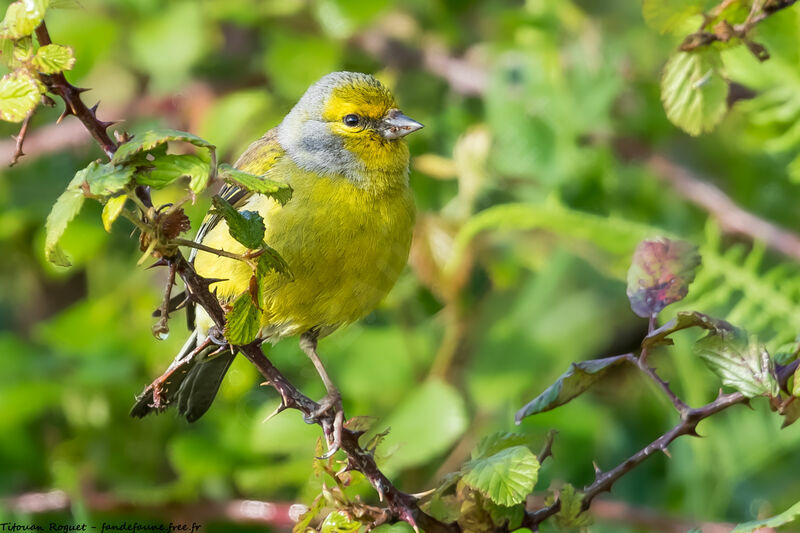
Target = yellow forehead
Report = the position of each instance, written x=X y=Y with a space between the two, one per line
x=369 y=99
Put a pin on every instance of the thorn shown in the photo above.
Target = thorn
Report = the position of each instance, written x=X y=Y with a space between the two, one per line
x=159 y=263
x=105 y=124
x=747 y=404
x=93 y=109
x=420 y=495
x=210 y=281
x=665 y=451
x=281 y=407
x=67 y=112
x=597 y=471
x=80 y=90
x=183 y=303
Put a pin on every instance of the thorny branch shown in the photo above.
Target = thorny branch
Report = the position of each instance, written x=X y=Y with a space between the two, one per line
x=605 y=480
x=400 y=506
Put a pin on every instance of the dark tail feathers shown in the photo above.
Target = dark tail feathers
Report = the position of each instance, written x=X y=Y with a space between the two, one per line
x=192 y=383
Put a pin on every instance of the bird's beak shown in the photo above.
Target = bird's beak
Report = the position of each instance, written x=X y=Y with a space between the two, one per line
x=395 y=125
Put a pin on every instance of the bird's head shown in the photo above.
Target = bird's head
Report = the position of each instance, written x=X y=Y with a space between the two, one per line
x=348 y=124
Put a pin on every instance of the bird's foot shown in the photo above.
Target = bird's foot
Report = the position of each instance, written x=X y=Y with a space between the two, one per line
x=330 y=403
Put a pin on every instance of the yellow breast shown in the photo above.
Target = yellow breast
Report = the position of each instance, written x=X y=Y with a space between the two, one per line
x=345 y=247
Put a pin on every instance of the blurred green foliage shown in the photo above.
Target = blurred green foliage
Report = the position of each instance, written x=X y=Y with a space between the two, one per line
x=499 y=299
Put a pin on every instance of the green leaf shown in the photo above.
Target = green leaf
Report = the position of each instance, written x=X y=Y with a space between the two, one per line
x=281 y=192
x=106 y=179
x=502 y=515
x=693 y=92
x=53 y=58
x=506 y=477
x=22 y=17
x=112 y=209
x=570 y=385
x=19 y=94
x=684 y=320
x=788 y=516
x=660 y=274
x=67 y=206
x=165 y=169
x=668 y=15
x=271 y=260
x=491 y=444
x=243 y=321
x=148 y=140
x=571 y=515
x=247 y=227
x=739 y=361
x=339 y=522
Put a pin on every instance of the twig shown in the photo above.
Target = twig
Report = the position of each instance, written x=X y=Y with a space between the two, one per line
x=20 y=138
x=58 y=84
x=724 y=31
x=605 y=480
x=641 y=363
x=161 y=327
x=215 y=251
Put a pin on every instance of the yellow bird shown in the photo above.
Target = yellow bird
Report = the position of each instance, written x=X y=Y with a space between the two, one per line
x=345 y=233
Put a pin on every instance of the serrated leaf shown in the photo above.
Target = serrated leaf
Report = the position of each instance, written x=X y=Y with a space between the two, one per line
x=272 y=260
x=339 y=522
x=693 y=91
x=19 y=94
x=281 y=192
x=247 y=227
x=243 y=321
x=491 y=444
x=105 y=179
x=660 y=274
x=571 y=515
x=506 y=477
x=684 y=320
x=570 y=385
x=165 y=169
x=149 y=140
x=112 y=209
x=667 y=15
x=67 y=206
x=54 y=58
x=740 y=362
x=788 y=516
x=22 y=17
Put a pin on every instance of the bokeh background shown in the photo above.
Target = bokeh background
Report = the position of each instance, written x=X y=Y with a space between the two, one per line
x=546 y=156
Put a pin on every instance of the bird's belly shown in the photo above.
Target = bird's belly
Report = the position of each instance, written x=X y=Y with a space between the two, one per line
x=345 y=257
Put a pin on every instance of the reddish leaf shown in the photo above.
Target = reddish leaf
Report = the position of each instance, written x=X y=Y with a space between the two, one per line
x=660 y=274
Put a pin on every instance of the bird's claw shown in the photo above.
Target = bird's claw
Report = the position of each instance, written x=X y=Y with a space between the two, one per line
x=331 y=402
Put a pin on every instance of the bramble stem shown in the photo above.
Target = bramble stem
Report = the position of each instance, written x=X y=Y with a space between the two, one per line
x=605 y=480
x=215 y=251
x=58 y=84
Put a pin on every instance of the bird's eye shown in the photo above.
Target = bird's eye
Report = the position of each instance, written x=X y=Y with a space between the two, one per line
x=351 y=120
